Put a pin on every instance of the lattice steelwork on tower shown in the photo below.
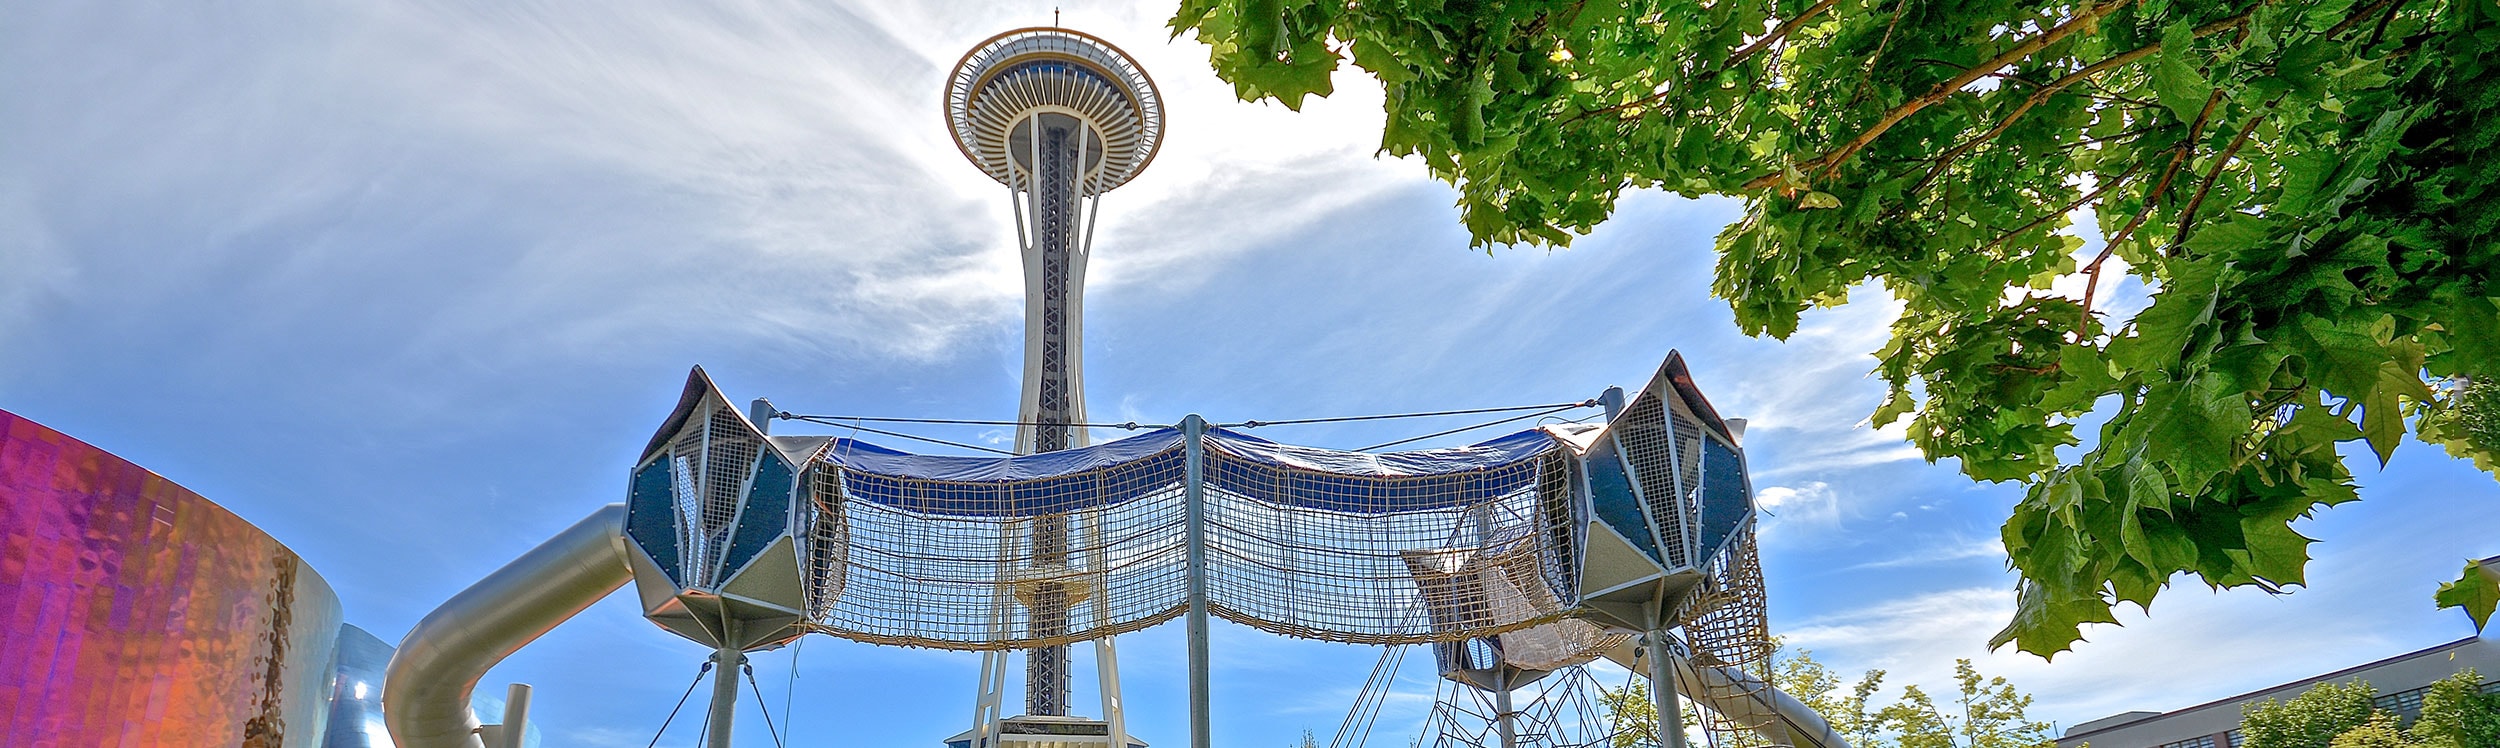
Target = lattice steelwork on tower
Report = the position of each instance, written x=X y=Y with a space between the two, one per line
x=1058 y=117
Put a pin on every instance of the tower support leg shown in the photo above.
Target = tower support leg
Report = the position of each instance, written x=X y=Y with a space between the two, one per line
x=1114 y=709
x=724 y=694
x=1662 y=685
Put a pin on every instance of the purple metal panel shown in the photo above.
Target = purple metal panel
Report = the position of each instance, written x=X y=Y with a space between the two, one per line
x=134 y=613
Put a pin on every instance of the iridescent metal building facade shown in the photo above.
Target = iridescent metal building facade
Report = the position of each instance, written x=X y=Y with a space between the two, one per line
x=140 y=614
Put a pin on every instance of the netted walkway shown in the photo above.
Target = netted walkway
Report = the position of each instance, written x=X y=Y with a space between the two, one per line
x=936 y=551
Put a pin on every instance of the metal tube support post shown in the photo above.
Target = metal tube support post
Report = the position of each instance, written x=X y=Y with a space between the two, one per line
x=1662 y=686
x=1502 y=712
x=1193 y=429
x=729 y=662
x=516 y=715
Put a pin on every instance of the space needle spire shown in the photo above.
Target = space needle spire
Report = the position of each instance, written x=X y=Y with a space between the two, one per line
x=1058 y=117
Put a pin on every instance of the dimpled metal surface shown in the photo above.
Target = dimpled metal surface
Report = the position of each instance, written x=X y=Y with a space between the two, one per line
x=133 y=612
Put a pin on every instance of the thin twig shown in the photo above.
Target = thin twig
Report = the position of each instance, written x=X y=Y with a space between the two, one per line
x=1897 y=7
x=2070 y=207
x=2086 y=17
x=2187 y=216
x=2381 y=32
x=2042 y=95
x=2354 y=18
x=1738 y=57
x=2114 y=136
x=2178 y=156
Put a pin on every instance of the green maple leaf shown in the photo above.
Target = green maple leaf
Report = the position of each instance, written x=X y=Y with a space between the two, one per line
x=2175 y=80
x=2163 y=329
x=2046 y=623
x=2276 y=552
x=2189 y=427
x=2476 y=591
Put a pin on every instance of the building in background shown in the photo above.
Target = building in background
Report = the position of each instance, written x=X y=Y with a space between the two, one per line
x=2401 y=681
x=140 y=614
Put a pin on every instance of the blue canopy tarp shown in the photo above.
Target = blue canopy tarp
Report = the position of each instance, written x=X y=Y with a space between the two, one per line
x=1117 y=471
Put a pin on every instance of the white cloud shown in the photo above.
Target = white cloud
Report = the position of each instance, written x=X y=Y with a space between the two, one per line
x=1958 y=549
x=1811 y=502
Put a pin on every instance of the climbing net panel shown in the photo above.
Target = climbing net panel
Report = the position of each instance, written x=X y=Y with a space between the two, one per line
x=1314 y=543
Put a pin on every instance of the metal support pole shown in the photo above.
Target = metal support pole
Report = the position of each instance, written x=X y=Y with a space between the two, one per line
x=1612 y=399
x=1193 y=429
x=1502 y=712
x=1662 y=686
x=1107 y=676
x=728 y=662
x=516 y=715
x=761 y=411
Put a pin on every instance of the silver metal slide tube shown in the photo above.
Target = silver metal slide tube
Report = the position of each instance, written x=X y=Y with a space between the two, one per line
x=425 y=692
x=1738 y=696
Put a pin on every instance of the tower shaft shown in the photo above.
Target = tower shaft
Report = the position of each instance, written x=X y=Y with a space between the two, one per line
x=1054 y=395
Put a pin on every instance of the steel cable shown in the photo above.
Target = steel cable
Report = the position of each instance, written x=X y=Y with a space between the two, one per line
x=681 y=704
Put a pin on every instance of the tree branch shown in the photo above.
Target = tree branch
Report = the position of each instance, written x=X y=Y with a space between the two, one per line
x=2070 y=208
x=2178 y=157
x=1734 y=59
x=1831 y=160
x=2086 y=17
x=2042 y=95
x=2187 y=216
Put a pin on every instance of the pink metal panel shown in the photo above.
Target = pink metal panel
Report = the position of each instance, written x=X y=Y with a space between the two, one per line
x=134 y=613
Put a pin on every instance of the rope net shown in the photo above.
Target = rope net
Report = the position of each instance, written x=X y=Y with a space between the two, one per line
x=1312 y=543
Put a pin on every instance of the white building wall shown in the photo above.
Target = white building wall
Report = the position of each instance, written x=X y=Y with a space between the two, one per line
x=2216 y=719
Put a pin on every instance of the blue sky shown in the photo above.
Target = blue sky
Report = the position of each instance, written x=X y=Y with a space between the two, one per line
x=408 y=284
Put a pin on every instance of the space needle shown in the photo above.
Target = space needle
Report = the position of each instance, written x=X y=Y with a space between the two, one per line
x=1058 y=117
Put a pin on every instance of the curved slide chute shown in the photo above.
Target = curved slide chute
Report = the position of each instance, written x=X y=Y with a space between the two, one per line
x=1740 y=698
x=425 y=693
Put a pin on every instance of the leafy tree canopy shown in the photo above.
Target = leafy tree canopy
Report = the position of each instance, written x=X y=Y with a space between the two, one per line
x=2456 y=713
x=2312 y=186
x=2311 y=720
x=1981 y=712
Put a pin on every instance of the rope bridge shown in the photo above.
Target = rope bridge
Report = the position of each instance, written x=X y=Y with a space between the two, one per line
x=1541 y=547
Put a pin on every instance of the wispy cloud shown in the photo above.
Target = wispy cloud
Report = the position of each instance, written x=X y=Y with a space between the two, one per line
x=1958 y=549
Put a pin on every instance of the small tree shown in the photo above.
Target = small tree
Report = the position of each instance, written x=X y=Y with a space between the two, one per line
x=1853 y=718
x=2381 y=731
x=1988 y=711
x=2457 y=714
x=2310 y=720
x=1915 y=722
x=1630 y=715
x=1993 y=712
x=1816 y=686
x=1992 y=715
